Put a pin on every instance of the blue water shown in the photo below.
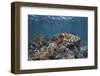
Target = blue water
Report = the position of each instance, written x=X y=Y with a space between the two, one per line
x=51 y=25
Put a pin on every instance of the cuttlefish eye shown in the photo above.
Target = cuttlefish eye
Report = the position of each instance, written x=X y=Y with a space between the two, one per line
x=71 y=46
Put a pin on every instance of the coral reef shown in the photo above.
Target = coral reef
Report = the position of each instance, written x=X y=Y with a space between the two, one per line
x=60 y=46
